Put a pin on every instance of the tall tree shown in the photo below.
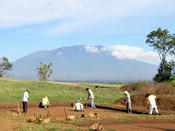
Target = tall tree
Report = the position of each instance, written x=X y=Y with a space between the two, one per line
x=172 y=64
x=164 y=44
x=44 y=71
x=4 y=66
x=168 y=72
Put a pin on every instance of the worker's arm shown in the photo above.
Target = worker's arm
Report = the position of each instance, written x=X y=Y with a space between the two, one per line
x=155 y=97
x=147 y=103
x=74 y=107
x=126 y=99
x=82 y=107
x=89 y=94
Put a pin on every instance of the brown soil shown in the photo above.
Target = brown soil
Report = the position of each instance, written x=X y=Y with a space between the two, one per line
x=153 y=88
x=165 y=103
x=133 y=124
x=56 y=110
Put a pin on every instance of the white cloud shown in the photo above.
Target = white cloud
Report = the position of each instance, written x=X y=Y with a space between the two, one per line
x=77 y=14
x=91 y=49
x=132 y=52
x=136 y=53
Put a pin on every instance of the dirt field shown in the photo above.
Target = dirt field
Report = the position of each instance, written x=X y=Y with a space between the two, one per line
x=8 y=123
x=165 y=103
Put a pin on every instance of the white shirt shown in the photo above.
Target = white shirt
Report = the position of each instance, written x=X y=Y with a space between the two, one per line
x=127 y=98
x=90 y=94
x=152 y=100
x=78 y=107
x=25 y=96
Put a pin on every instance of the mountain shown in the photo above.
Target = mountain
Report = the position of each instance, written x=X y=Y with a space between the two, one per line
x=83 y=63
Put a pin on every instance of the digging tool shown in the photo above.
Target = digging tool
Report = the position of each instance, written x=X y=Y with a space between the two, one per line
x=19 y=112
x=65 y=113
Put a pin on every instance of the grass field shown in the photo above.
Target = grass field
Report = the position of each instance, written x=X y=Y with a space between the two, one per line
x=12 y=91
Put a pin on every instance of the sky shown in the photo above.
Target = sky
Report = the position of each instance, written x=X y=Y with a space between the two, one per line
x=121 y=26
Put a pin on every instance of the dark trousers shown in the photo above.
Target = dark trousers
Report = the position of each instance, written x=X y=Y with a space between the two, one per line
x=24 y=106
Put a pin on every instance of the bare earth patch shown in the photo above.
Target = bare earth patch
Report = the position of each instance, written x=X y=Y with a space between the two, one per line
x=8 y=120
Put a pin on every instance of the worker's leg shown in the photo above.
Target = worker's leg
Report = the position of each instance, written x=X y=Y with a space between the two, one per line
x=26 y=107
x=92 y=104
x=150 y=109
x=155 y=109
x=129 y=107
x=23 y=105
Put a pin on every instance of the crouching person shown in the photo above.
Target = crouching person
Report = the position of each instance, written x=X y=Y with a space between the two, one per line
x=45 y=102
x=128 y=102
x=151 y=103
x=78 y=106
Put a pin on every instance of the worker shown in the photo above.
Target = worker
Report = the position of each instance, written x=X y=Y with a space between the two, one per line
x=45 y=102
x=151 y=103
x=25 y=100
x=91 y=97
x=128 y=102
x=78 y=106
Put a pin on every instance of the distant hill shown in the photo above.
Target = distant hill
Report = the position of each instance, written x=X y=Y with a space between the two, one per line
x=79 y=63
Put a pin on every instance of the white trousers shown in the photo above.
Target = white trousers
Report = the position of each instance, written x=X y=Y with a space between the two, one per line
x=151 y=108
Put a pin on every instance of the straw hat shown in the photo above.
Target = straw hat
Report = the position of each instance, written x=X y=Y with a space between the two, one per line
x=125 y=92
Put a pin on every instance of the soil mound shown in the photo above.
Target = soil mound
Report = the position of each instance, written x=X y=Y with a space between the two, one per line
x=142 y=87
x=164 y=102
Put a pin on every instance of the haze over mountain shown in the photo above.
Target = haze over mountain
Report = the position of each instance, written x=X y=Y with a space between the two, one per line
x=83 y=63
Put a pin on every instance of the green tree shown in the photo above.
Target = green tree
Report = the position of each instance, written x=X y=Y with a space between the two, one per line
x=172 y=64
x=44 y=71
x=164 y=44
x=4 y=66
x=168 y=72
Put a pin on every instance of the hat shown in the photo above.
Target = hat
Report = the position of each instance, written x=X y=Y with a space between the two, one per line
x=28 y=90
x=77 y=101
x=125 y=92
x=147 y=94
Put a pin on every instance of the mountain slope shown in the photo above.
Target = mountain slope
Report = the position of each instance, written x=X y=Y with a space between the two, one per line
x=80 y=63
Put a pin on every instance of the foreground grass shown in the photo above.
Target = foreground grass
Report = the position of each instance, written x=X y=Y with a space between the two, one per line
x=173 y=83
x=48 y=127
x=12 y=91
x=139 y=116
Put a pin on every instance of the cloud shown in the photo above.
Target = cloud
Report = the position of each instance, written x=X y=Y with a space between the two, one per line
x=91 y=49
x=128 y=52
x=77 y=15
x=132 y=52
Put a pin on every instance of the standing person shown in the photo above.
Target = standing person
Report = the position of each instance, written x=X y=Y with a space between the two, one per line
x=91 y=97
x=128 y=102
x=151 y=102
x=25 y=100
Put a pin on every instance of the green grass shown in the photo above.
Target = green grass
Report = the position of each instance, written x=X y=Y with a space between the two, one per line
x=12 y=91
x=48 y=127
x=39 y=128
x=173 y=83
x=139 y=116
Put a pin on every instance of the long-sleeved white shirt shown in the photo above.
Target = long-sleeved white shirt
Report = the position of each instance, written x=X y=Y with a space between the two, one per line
x=90 y=94
x=25 y=96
